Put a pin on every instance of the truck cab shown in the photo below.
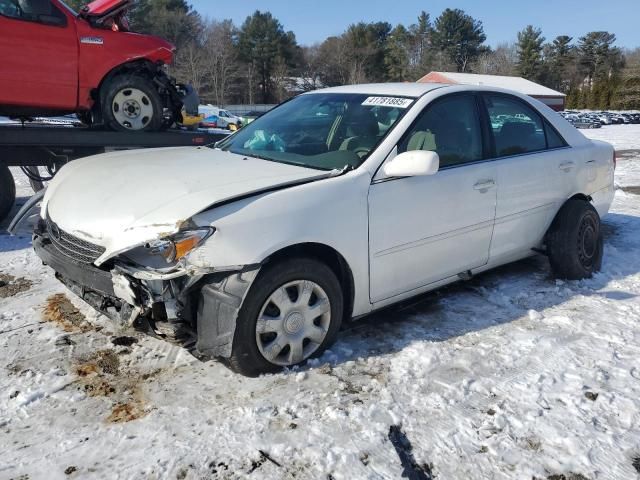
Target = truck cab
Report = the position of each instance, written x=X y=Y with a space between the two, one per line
x=57 y=61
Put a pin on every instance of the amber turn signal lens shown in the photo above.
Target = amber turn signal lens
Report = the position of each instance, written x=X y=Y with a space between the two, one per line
x=183 y=247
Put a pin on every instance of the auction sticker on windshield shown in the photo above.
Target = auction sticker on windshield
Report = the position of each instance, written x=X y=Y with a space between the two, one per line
x=395 y=102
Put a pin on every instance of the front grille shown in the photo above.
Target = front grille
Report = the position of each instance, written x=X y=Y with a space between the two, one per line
x=72 y=246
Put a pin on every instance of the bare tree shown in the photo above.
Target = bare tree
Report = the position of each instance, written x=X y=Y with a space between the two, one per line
x=221 y=60
x=501 y=61
x=190 y=65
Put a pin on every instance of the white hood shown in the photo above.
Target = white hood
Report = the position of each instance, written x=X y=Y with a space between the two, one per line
x=123 y=199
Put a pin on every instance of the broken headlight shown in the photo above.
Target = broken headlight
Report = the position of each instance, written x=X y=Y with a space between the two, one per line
x=177 y=246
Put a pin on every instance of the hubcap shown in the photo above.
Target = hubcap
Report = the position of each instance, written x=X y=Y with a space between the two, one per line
x=587 y=241
x=132 y=108
x=293 y=322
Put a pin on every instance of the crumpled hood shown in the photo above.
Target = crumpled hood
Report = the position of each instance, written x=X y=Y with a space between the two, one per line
x=123 y=199
x=99 y=8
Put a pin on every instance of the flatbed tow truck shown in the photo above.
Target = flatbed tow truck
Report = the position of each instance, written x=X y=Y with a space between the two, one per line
x=40 y=150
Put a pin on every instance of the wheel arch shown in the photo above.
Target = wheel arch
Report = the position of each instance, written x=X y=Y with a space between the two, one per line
x=576 y=196
x=579 y=196
x=330 y=257
x=141 y=65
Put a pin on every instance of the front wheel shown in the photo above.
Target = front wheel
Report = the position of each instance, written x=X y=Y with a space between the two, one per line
x=574 y=241
x=292 y=312
x=132 y=103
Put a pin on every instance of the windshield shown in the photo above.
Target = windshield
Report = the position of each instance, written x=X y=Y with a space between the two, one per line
x=325 y=131
x=71 y=10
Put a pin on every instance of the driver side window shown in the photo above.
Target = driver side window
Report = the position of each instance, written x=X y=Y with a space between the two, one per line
x=10 y=8
x=41 y=11
x=451 y=128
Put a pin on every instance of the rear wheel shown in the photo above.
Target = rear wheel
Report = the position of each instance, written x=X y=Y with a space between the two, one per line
x=574 y=241
x=132 y=103
x=292 y=312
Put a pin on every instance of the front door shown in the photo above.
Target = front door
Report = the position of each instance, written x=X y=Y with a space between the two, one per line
x=429 y=228
x=39 y=55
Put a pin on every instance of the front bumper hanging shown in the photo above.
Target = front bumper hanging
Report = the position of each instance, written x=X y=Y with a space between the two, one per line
x=206 y=305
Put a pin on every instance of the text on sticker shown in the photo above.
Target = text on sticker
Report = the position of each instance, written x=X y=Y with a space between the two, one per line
x=396 y=102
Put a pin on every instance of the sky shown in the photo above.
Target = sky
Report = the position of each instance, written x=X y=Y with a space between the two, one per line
x=312 y=21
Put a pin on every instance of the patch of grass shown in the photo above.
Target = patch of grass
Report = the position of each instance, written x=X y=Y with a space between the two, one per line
x=126 y=412
x=61 y=311
x=11 y=286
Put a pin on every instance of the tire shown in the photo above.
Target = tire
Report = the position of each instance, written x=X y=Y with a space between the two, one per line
x=574 y=241
x=132 y=103
x=247 y=357
x=7 y=191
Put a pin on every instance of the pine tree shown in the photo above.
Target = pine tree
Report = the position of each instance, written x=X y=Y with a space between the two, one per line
x=530 y=59
x=458 y=37
x=396 y=57
x=263 y=43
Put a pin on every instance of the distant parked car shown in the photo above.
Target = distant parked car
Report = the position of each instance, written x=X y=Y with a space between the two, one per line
x=210 y=122
x=225 y=118
x=582 y=122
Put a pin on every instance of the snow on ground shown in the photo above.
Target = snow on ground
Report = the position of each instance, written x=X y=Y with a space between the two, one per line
x=510 y=375
x=624 y=137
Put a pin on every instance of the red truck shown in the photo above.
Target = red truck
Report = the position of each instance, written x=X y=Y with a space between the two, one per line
x=56 y=61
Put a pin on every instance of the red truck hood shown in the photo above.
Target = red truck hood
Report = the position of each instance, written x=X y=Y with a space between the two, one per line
x=100 y=8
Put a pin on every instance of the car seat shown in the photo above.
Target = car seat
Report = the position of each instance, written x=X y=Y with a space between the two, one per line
x=516 y=137
x=361 y=130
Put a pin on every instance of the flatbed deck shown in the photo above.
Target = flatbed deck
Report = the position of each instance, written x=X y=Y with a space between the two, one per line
x=32 y=146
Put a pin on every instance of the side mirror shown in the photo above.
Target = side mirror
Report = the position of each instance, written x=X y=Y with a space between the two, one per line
x=414 y=163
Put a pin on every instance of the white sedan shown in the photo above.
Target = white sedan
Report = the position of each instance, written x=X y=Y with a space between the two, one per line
x=331 y=206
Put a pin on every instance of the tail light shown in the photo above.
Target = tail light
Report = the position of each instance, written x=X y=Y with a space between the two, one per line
x=615 y=160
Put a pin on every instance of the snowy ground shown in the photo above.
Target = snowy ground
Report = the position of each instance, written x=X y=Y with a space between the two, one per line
x=510 y=375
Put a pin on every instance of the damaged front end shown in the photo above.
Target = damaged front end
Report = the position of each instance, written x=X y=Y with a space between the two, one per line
x=165 y=296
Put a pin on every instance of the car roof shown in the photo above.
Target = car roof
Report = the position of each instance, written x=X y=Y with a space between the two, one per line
x=412 y=90
x=407 y=89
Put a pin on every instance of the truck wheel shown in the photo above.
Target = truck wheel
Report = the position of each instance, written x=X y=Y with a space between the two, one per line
x=7 y=191
x=132 y=103
x=574 y=241
x=292 y=312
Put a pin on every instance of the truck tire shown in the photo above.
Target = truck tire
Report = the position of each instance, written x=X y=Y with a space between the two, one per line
x=132 y=103
x=574 y=241
x=7 y=191
x=292 y=312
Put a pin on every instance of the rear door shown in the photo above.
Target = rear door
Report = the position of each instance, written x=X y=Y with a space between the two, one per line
x=39 y=55
x=426 y=229
x=536 y=172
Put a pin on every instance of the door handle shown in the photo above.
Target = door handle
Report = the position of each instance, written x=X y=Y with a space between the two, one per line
x=484 y=185
x=566 y=166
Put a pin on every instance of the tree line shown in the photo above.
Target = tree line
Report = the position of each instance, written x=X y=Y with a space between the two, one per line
x=261 y=62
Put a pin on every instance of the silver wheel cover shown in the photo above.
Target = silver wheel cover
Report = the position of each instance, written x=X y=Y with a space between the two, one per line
x=132 y=108
x=293 y=322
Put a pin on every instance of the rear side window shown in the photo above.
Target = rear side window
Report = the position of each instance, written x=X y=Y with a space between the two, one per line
x=517 y=128
x=554 y=140
x=451 y=128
